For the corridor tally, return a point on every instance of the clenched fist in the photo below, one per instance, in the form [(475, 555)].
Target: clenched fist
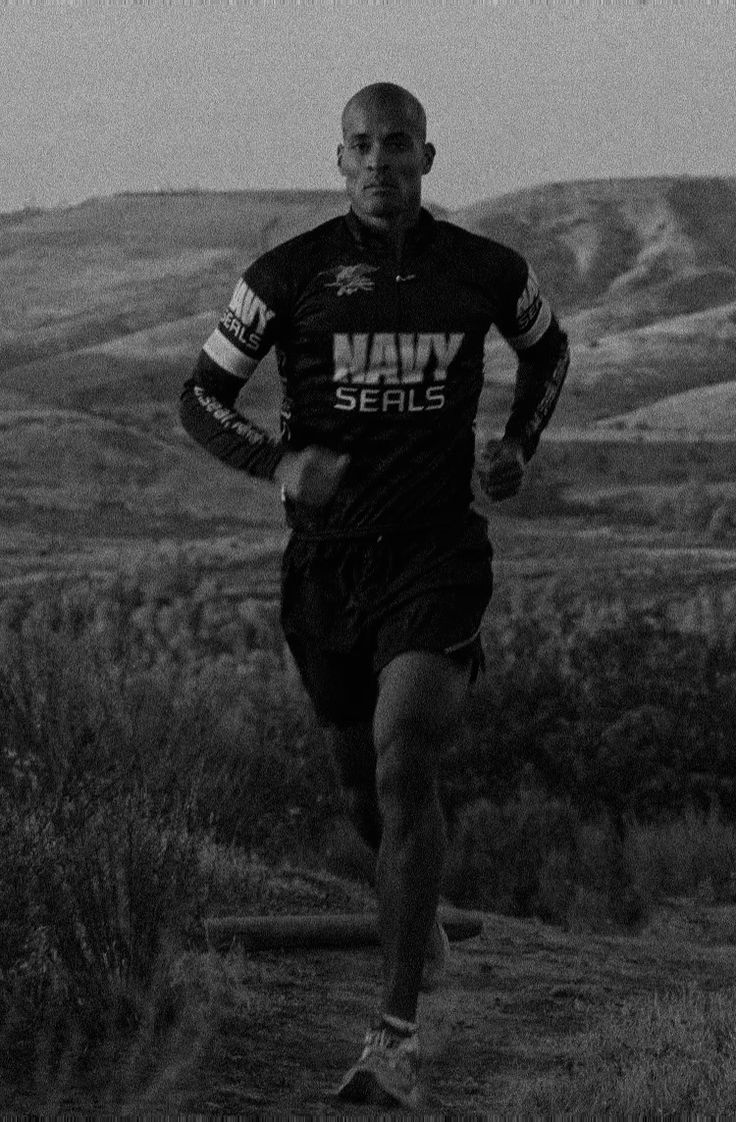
[(313, 475), (501, 469)]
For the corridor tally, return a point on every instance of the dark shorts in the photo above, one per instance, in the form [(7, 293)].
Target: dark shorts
[(351, 606)]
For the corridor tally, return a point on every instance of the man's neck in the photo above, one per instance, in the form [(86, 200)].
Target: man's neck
[(391, 229)]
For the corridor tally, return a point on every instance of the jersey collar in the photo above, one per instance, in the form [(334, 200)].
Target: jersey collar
[(417, 236)]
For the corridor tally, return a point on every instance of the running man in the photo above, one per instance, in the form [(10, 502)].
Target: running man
[(379, 318)]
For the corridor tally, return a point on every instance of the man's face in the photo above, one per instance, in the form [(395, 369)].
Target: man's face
[(383, 158)]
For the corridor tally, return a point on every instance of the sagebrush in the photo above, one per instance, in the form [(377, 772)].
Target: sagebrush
[(146, 721)]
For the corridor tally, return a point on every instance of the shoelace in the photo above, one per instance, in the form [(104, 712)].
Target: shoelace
[(396, 1048)]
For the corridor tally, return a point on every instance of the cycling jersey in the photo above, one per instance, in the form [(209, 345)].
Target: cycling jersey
[(380, 358)]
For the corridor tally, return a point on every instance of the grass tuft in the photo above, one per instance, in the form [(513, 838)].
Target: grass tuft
[(671, 1054)]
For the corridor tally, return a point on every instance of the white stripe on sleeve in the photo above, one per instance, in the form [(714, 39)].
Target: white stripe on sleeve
[(227, 355), (528, 338)]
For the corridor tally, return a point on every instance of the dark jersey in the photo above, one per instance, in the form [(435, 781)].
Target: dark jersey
[(382, 359)]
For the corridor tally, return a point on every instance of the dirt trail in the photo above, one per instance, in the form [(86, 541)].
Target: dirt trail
[(508, 1011)]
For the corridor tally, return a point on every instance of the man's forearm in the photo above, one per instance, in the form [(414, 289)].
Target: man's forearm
[(539, 379), (207, 412)]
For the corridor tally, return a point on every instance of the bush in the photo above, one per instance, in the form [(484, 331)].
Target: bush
[(612, 707), (688, 855), (84, 691), (114, 881), (107, 893), (164, 708), (121, 750), (533, 855)]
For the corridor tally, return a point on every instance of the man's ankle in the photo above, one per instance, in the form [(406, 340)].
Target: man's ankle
[(398, 1025)]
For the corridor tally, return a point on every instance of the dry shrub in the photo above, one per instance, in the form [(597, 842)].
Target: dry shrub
[(534, 855), (86, 686), (111, 770), (691, 854), (511, 857), (113, 893), (115, 880)]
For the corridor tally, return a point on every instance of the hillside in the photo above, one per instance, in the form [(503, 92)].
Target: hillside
[(625, 251), (708, 410), (106, 304), (613, 255), (71, 277)]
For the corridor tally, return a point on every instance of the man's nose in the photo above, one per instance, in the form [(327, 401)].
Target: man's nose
[(377, 156)]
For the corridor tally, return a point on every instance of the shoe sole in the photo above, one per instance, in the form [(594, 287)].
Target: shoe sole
[(363, 1087)]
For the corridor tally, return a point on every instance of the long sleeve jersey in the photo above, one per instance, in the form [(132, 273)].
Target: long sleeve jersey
[(380, 358)]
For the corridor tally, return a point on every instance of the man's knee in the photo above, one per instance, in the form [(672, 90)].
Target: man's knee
[(410, 744), (406, 775)]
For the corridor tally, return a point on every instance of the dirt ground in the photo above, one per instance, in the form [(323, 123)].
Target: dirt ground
[(509, 1010), (513, 1008)]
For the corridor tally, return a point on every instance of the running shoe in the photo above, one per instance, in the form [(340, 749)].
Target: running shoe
[(386, 1073), (436, 956)]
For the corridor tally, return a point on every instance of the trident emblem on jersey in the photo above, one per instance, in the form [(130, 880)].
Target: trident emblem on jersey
[(352, 278)]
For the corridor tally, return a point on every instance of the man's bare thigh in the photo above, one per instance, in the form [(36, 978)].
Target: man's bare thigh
[(421, 697)]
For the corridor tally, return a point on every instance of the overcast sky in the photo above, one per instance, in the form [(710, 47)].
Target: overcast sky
[(105, 97)]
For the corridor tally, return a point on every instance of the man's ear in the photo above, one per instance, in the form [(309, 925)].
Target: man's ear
[(340, 150), (429, 155)]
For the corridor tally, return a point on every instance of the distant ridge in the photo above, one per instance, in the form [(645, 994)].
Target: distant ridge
[(107, 301), (279, 194), (640, 245)]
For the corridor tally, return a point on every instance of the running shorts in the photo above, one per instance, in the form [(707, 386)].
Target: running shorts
[(350, 606)]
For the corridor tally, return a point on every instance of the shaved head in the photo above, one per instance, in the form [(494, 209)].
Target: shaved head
[(386, 95), (384, 154)]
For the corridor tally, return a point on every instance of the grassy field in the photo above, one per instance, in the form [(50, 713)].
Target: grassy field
[(160, 765)]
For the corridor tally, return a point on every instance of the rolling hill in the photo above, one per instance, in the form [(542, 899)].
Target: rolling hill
[(614, 255), (106, 304), (626, 252), (708, 410), (87, 274)]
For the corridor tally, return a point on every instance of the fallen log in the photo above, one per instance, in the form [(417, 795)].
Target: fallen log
[(259, 933)]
